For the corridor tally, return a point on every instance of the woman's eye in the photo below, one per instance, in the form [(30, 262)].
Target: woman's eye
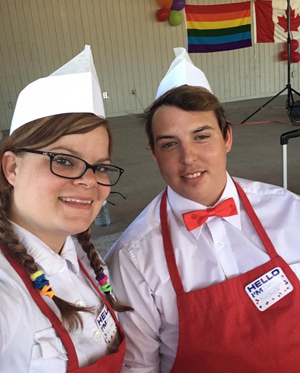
[(101, 168), (63, 161)]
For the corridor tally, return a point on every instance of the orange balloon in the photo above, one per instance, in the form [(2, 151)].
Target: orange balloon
[(165, 3)]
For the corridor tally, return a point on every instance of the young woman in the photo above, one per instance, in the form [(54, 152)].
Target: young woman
[(55, 175)]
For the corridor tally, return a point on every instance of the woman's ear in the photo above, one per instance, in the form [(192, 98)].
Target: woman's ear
[(9, 166)]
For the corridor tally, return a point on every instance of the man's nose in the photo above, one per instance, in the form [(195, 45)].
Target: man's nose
[(188, 154)]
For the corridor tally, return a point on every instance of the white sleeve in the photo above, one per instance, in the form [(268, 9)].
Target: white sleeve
[(142, 325)]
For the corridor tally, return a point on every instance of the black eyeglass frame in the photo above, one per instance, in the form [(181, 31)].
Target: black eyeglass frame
[(51, 155)]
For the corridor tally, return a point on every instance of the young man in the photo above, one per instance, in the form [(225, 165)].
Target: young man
[(210, 266)]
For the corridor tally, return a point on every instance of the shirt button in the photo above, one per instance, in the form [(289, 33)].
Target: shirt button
[(79, 303), (62, 268), (220, 244), (97, 336)]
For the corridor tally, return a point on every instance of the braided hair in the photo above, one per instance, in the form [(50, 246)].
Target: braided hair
[(34, 135)]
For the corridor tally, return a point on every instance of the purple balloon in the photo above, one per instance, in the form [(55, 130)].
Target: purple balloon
[(178, 4)]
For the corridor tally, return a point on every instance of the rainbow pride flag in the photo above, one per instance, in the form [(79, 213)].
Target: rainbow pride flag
[(220, 27)]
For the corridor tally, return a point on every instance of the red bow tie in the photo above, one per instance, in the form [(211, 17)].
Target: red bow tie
[(195, 219)]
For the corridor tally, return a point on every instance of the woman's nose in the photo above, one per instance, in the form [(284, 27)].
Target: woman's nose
[(88, 178)]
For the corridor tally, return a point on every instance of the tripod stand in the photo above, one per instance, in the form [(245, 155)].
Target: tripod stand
[(290, 99)]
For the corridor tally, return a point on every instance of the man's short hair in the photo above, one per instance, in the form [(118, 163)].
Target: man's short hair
[(188, 98)]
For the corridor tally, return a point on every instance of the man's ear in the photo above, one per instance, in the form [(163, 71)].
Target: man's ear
[(153, 155), (9, 166), (228, 140)]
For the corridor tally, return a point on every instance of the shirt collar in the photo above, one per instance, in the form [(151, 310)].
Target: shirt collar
[(181, 205), (45, 257)]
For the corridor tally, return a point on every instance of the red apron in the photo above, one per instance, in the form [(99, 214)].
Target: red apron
[(220, 328), (108, 364)]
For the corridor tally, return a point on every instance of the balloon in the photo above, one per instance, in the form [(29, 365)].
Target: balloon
[(283, 56), (294, 45), (175, 18), (178, 4), (295, 57), (163, 14), (165, 3)]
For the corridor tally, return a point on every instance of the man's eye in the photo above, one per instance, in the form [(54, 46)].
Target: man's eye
[(169, 144), (202, 137)]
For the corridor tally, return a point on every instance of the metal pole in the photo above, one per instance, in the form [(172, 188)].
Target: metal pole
[(288, 20), (284, 166)]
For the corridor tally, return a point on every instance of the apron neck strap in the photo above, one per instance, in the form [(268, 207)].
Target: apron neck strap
[(256, 222), (168, 246), (46, 310)]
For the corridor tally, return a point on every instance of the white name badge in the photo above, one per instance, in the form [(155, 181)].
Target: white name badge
[(107, 325), (269, 288)]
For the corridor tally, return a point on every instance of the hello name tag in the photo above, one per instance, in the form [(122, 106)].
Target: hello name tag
[(269, 288), (107, 325)]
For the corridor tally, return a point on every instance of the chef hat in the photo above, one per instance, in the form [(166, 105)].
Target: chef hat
[(73, 88), (182, 71)]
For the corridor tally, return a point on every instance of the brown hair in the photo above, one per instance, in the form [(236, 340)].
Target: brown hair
[(188, 98), (34, 135)]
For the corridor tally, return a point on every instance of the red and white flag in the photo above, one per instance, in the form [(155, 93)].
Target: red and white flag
[(270, 19)]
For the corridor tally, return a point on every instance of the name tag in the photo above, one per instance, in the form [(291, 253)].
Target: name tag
[(269, 288), (107, 325)]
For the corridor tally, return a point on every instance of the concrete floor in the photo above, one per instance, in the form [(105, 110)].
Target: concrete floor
[(256, 155)]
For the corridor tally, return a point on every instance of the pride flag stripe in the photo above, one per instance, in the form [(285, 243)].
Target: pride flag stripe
[(219, 39), (193, 48), (217, 17), (217, 25), (217, 8), (217, 32)]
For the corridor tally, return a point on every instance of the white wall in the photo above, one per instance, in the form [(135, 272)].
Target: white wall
[(131, 49)]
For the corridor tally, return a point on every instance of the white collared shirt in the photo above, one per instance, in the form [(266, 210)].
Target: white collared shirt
[(219, 250), (28, 342)]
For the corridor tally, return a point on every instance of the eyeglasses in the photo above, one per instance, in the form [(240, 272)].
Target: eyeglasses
[(72, 167)]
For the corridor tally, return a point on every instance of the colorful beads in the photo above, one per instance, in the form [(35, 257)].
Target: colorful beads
[(42, 284), (36, 274), (47, 290), (102, 279), (104, 283)]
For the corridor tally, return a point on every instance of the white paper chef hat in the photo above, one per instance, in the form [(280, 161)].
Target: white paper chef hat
[(182, 71), (73, 88)]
